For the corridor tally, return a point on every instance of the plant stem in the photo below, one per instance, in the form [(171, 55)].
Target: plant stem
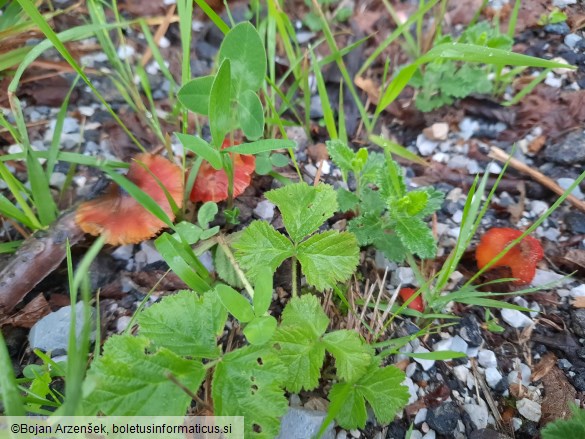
[(294, 277), (226, 248)]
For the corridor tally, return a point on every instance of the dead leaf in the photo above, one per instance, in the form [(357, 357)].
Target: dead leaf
[(317, 152), (537, 144), (366, 21), (30, 314), (558, 395), (579, 302), (544, 366), (370, 87)]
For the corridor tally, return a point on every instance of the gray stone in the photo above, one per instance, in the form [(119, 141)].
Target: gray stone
[(478, 414), (493, 377), (557, 28), (515, 318), (300, 423), (578, 321), (578, 291), (569, 151), (575, 222), (520, 376), (566, 183), (487, 358), (563, 3), (51, 333), (571, 40), (444, 419), (529, 409), (264, 210), (426, 364)]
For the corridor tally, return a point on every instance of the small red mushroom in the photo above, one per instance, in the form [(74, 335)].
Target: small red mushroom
[(417, 304), (212, 184), (119, 217), (521, 259)]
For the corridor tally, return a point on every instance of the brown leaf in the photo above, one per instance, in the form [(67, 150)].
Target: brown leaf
[(544, 366), (579, 302), (30, 314), (370, 87), (142, 8), (317, 152), (558, 395)]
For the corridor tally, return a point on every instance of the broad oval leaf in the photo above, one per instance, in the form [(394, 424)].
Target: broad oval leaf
[(235, 303), (261, 146), (220, 105), (263, 291), (243, 47), (201, 148), (194, 95), (251, 114), (260, 330)]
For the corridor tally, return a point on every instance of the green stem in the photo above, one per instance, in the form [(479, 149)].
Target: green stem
[(294, 277)]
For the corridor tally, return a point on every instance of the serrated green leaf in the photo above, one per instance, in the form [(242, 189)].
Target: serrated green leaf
[(415, 235), (301, 350), (263, 291), (352, 355), (248, 382), (304, 208), (392, 247), (412, 203), (371, 170), (128, 381), (368, 228), (380, 387), (305, 311), (235, 303), (225, 269), (261, 245), (341, 154), (260, 330), (347, 200), (372, 202), (220, 105), (251, 114), (328, 258), (185, 324), (391, 181), (434, 202), (201, 148), (206, 214), (564, 428), (243, 47), (194, 95)]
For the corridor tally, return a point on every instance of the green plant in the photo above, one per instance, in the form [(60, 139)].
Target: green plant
[(553, 17), (326, 258), (562, 428)]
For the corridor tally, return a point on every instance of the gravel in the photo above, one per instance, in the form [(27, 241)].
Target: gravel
[(300, 423), (529, 409), (444, 419)]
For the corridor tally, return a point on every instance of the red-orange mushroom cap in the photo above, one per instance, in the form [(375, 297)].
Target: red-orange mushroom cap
[(212, 184), (417, 303), (521, 259), (119, 217)]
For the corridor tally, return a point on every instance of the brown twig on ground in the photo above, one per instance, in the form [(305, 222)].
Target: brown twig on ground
[(502, 156), (38, 256)]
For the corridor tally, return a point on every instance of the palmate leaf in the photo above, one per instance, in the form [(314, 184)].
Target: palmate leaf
[(248, 382), (328, 258), (304, 208), (186, 324), (261, 245), (380, 387), (305, 311), (352, 354), (127, 380)]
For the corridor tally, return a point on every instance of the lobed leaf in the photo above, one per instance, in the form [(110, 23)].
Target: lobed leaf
[(352, 354)]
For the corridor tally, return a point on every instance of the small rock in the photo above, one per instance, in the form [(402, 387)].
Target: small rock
[(529, 409), (461, 372), (571, 40), (421, 416), (566, 183), (58, 179), (470, 330), (520, 376), (578, 321), (552, 81), (299, 423), (443, 345), (437, 131), (412, 389), (575, 222), (493, 377), (410, 369), (561, 70), (538, 207), (403, 275), (579, 381), (569, 151), (426, 146), (122, 323), (467, 128), (430, 435), (444, 419), (578, 291), (562, 4), (51, 333), (544, 278), (264, 210), (342, 434), (557, 28), (382, 262), (355, 433), (478, 414), (426, 364), (515, 318), (124, 252), (125, 51), (487, 358), (459, 345)]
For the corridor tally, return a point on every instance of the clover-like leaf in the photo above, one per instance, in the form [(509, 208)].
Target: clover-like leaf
[(235, 303), (304, 208), (194, 95), (328, 258), (128, 380), (260, 330)]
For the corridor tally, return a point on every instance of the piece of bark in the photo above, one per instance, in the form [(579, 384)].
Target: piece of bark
[(38, 256)]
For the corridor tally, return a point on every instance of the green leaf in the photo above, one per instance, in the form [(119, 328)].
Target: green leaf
[(564, 428), (412, 203), (434, 201), (185, 324), (263, 291), (187, 232), (263, 164), (235, 303), (415, 235), (127, 380), (243, 47), (391, 181), (261, 245), (368, 228), (225, 269), (251, 114), (206, 214), (201, 148), (380, 387), (248, 382), (260, 330), (328, 258), (194, 95), (301, 350), (347, 200), (304, 208), (279, 160), (391, 245), (352, 355), (305, 311), (341, 154), (220, 106)]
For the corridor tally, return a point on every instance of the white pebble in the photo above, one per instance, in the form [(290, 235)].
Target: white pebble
[(478, 414), (515, 318), (421, 416), (426, 364), (487, 358), (492, 377), (529, 409), (578, 291), (125, 51)]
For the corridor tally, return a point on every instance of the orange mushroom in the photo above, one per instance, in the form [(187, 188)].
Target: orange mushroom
[(417, 304), (212, 184), (119, 217), (521, 259)]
